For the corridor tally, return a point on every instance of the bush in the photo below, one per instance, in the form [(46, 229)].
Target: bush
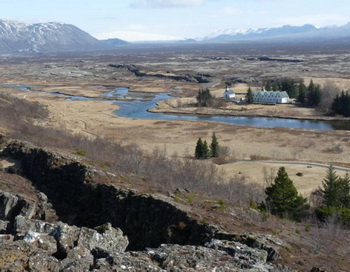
[(80, 152), (341, 214)]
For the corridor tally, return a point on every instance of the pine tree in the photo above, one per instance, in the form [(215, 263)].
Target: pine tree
[(336, 190), (288, 85), (204, 98), (214, 146), (336, 194), (317, 95), (344, 190), (314, 94), (249, 96), (336, 105), (206, 152), (310, 91), (268, 86), (199, 154), (330, 188), (283, 198), (275, 86), (302, 91)]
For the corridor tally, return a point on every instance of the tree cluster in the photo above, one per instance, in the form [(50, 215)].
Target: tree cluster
[(310, 95), (203, 151), (336, 197), (204, 98), (341, 104), (307, 95), (285, 85)]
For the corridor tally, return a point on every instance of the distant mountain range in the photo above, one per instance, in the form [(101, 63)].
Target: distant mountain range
[(17, 37), (287, 32)]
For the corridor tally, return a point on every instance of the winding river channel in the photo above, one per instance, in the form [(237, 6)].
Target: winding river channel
[(137, 104)]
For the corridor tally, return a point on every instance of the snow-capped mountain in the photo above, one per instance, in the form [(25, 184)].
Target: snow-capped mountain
[(285, 32), (44, 37)]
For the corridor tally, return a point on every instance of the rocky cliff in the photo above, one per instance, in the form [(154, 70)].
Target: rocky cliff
[(99, 227)]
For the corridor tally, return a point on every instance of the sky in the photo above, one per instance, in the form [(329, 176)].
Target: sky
[(135, 20)]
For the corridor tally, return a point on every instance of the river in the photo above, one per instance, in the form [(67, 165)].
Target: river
[(136, 105)]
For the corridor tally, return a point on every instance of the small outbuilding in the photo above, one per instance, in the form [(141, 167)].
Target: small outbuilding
[(229, 93)]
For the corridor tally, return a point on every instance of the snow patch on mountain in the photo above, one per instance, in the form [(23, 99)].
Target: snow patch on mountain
[(44, 37)]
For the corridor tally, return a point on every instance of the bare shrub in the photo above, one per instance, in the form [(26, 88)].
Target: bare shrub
[(255, 157), (329, 91), (225, 156), (238, 191), (268, 176), (155, 168), (178, 103), (316, 198), (330, 237), (335, 149)]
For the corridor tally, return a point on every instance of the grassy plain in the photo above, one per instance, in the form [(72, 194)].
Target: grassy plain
[(86, 75)]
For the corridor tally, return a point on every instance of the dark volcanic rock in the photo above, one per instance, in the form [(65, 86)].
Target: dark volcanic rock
[(202, 78), (149, 221), (12, 205)]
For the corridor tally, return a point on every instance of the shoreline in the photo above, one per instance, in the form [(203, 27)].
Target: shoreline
[(231, 113)]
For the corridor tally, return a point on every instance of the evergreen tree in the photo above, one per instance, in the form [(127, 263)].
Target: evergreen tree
[(275, 86), (283, 198), (249, 96), (268, 86), (199, 154), (344, 196), (341, 104), (336, 194), (206, 152), (302, 91), (336, 190), (313, 94), (204, 98), (330, 189), (310, 91), (288, 85), (317, 95), (214, 146), (336, 105), (346, 105)]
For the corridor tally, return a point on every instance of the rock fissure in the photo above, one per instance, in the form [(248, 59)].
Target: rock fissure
[(97, 216)]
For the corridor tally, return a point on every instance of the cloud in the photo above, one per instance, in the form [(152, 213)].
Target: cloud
[(315, 19), (227, 11), (165, 3)]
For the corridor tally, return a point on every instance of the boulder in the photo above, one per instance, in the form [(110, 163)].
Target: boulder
[(60, 238), (78, 259), (106, 238), (41, 240), (42, 261), (245, 257), (12, 205), (4, 226)]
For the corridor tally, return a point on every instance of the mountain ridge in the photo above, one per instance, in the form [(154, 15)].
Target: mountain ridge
[(307, 31), (18, 37)]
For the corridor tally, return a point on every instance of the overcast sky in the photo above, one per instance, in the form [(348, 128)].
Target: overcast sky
[(156, 19)]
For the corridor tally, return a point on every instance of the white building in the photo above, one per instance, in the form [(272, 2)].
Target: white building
[(270, 97), (229, 94)]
